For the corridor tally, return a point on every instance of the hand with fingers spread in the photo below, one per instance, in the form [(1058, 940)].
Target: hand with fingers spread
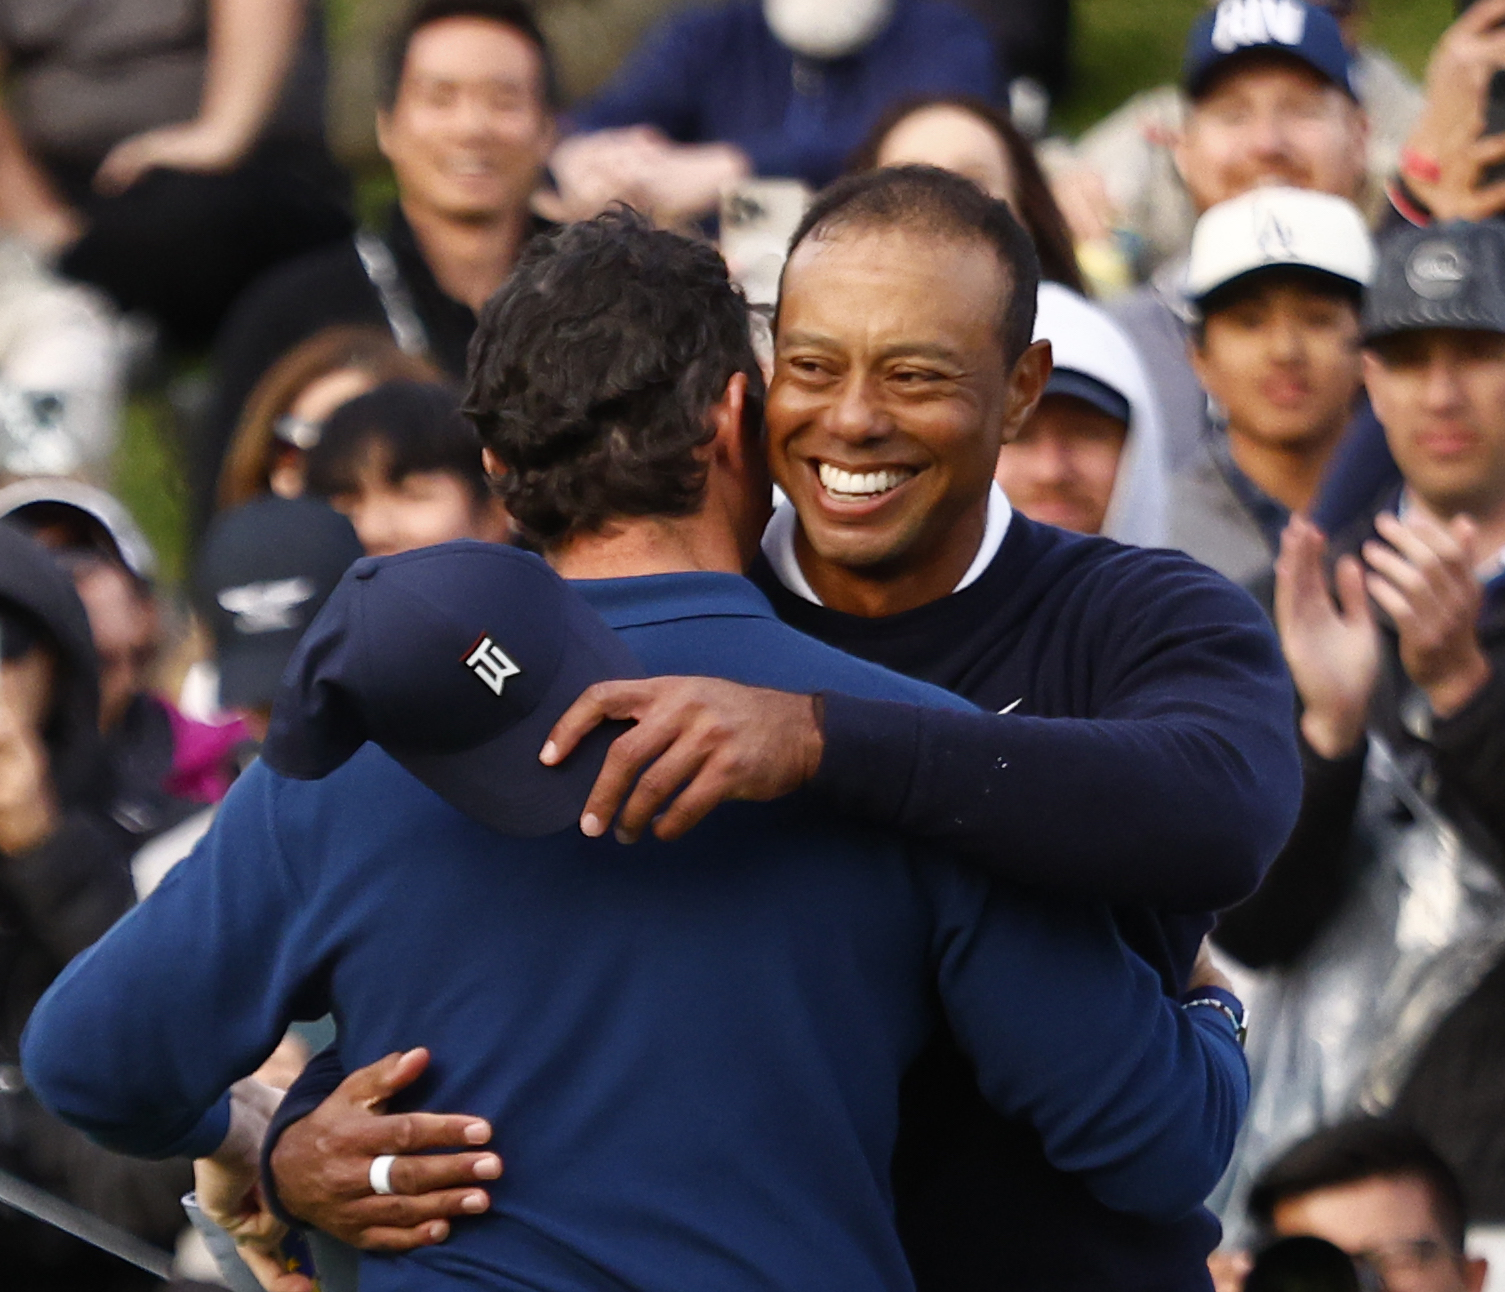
[(1449, 138), (1333, 651), (697, 742), (1423, 576), (322, 1163)]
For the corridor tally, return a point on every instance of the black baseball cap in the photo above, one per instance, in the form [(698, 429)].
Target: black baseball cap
[(264, 571), (1444, 276), (1306, 32), (1091, 390), (457, 660)]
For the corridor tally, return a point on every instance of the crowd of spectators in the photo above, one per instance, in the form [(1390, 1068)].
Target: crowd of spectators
[(1274, 296)]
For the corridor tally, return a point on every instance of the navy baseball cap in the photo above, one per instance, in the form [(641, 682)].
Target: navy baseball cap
[(457, 660), (264, 570), (1090, 389), (1443, 276), (1306, 32)]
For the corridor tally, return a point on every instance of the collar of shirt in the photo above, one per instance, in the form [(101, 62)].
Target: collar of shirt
[(778, 545), (1271, 516), (664, 598)]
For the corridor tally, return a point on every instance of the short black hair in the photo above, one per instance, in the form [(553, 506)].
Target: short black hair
[(1364, 1148), (510, 13), (1236, 292), (937, 203), (417, 423), (593, 370)]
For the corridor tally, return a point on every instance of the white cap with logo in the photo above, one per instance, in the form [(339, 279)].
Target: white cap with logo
[(1279, 228)]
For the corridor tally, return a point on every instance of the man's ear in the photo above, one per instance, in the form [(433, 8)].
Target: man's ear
[(727, 416), (1026, 387), (494, 467), (383, 126)]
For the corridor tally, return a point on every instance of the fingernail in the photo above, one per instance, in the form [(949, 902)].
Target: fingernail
[(475, 1203), (439, 1231), (477, 1133), (624, 837), (488, 1167), (549, 753), (590, 825)]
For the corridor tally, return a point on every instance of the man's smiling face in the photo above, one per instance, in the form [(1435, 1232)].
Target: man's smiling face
[(890, 397)]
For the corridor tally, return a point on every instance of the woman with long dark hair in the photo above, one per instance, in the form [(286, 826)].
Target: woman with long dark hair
[(972, 138)]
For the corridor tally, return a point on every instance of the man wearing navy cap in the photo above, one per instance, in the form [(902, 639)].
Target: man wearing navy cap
[(1269, 101), (1421, 668), (692, 1052)]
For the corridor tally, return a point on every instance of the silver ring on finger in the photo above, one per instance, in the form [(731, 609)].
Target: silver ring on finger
[(381, 1173)]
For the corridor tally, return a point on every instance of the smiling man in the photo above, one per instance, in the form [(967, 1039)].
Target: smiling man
[(466, 121), (1137, 745)]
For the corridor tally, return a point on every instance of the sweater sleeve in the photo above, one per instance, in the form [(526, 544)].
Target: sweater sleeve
[(137, 1040), (319, 1079), (1176, 787), (657, 84), (1307, 882), (1072, 1032)]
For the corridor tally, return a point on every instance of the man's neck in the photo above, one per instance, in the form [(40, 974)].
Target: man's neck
[(1290, 474), (469, 259), (872, 592), (633, 546)]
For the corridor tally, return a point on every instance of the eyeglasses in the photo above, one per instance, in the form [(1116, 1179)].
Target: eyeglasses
[(1396, 1263), (301, 432)]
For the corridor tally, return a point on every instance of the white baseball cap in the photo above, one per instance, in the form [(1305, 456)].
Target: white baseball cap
[(1279, 228)]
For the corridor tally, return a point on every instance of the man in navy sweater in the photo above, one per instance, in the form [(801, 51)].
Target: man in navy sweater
[(693, 1051), (1144, 754)]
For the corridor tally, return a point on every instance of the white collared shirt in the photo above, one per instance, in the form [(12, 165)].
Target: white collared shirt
[(778, 544)]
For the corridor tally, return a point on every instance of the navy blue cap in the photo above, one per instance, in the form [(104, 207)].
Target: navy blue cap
[(1092, 390), (1304, 31), (457, 660)]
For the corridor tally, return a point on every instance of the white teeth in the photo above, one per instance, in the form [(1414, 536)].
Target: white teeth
[(861, 484)]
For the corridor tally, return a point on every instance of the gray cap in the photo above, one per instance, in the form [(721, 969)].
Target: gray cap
[(1445, 276)]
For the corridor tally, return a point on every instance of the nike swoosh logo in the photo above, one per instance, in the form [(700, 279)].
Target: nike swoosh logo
[(1009, 708)]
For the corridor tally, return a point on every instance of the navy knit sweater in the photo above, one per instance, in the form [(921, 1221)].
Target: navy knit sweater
[(1145, 753)]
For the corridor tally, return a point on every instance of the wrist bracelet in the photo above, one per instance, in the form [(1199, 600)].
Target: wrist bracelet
[(1239, 1021), (1405, 203), (1415, 164)]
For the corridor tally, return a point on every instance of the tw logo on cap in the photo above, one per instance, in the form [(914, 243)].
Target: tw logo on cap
[(489, 662), (1242, 23)]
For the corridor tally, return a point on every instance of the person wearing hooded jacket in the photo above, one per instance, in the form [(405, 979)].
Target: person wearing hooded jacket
[(64, 879), (1092, 458)]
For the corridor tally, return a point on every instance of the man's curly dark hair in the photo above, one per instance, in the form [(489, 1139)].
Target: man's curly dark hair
[(593, 371)]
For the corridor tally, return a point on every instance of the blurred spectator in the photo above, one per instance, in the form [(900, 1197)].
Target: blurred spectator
[(1383, 920), (1033, 39), (264, 571), (1090, 458), (1122, 176), (1450, 167), (64, 848), (778, 88), (976, 140), (1277, 277), (1264, 107), (405, 467), (286, 411), (61, 372), (169, 152), (1379, 1191), (466, 121), (163, 760)]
